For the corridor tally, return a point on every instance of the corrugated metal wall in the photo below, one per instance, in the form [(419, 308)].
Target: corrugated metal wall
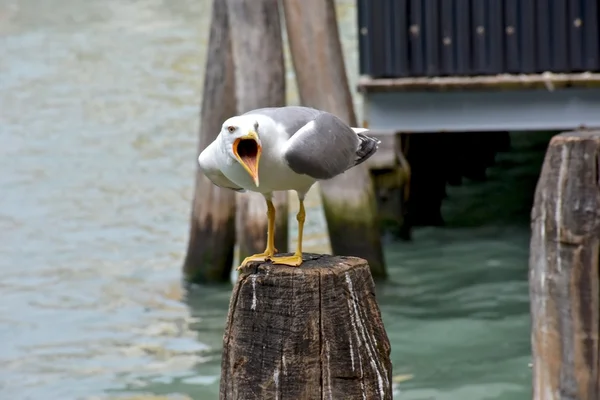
[(403, 38)]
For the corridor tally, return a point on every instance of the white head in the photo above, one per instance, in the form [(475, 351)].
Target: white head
[(240, 138)]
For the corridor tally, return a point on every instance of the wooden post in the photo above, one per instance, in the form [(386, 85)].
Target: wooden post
[(212, 229), (564, 270), (260, 82), (313, 332), (391, 178), (349, 200)]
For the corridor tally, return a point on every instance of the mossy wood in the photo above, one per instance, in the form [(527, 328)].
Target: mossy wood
[(212, 227), (391, 175), (348, 200), (305, 333), (564, 270), (260, 82)]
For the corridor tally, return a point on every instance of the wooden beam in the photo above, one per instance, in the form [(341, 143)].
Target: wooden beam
[(564, 270), (547, 81), (212, 227), (260, 82), (348, 200), (312, 332)]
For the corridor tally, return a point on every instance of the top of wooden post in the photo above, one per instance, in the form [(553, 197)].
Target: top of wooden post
[(577, 135), (312, 264), (305, 333), (564, 270)]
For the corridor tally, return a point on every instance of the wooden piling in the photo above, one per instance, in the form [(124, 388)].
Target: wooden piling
[(313, 332), (260, 82), (212, 227), (349, 200), (391, 178), (564, 270)]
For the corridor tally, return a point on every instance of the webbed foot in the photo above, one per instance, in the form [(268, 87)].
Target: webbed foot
[(292, 261)]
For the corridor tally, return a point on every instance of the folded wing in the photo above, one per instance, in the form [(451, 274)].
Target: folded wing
[(326, 146)]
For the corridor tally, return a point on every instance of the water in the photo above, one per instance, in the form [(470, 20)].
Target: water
[(98, 121)]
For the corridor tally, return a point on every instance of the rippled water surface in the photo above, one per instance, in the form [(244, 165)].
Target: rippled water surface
[(98, 121)]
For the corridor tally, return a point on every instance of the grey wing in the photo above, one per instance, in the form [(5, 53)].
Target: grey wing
[(208, 162), (326, 146), (292, 118)]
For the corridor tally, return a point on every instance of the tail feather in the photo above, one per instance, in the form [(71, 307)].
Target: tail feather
[(359, 130), (366, 147)]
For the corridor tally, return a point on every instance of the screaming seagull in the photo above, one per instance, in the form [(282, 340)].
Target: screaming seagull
[(279, 149)]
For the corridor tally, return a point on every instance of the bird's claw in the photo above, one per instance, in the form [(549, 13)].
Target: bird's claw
[(262, 257), (292, 261)]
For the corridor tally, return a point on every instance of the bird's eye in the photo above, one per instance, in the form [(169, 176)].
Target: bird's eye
[(256, 126), (231, 129)]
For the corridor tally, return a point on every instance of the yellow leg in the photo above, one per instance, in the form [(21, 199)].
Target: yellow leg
[(296, 259), (270, 250)]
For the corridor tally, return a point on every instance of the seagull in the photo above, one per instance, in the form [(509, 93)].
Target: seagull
[(280, 149)]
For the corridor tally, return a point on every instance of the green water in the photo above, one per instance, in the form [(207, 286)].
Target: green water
[(98, 121)]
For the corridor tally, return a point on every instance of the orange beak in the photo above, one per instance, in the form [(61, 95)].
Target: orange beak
[(248, 150)]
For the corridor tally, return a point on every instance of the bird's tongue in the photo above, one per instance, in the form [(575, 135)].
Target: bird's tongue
[(248, 152), (250, 161)]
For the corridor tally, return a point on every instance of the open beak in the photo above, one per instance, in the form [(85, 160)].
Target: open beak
[(247, 150)]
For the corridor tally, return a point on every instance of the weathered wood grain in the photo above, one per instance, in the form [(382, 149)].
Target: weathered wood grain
[(212, 227), (564, 270), (349, 199), (313, 332), (545, 81), (260, 82)]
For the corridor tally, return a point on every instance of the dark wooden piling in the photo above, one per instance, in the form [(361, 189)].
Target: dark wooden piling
[(440, 158), (391, 177), (260, 82), (348, 200), (564, 270), (212, 227), (312, 332)]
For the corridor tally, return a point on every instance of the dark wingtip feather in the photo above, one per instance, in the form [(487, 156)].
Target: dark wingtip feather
[(366, 148)]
